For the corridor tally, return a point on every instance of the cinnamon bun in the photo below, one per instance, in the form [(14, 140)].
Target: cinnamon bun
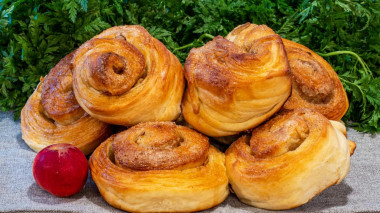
[(315, 84), (159, 167), (52, 114), (236, 82), (124, 76), (288, 160)]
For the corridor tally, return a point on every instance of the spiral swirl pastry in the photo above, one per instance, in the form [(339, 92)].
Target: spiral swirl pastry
[(315, 84), (236, 82), (52, 114), (159, 167), (288, 160), (125, 76)]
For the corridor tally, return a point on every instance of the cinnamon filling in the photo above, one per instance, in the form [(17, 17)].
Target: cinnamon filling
[(284, 134), (159, 146), (311, 81), (114, 67)]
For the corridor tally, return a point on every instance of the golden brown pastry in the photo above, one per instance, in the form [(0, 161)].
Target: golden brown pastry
[(125, 76), (288, 160), (236, 82), (159, 167), (52, 114), (315, 83)]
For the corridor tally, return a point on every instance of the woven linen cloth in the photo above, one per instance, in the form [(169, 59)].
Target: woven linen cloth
[(359, 191)]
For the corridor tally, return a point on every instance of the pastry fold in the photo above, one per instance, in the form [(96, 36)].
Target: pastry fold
[(159, 167), (124, 76), (52, 114), (236, 82), (315, 84), (288, 160)]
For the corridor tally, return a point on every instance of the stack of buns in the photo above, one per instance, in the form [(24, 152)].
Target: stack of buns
[(279, 101)]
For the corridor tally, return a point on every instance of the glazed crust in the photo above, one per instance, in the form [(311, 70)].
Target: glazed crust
[(236, 82), (315, 84), (125, 76), (191, 178), (288, 160), (52, 114)]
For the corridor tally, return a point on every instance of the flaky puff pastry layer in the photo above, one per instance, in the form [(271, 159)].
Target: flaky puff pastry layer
[(125, 76), (315, 83), (159, 167), (288, 160), (236, 82), (52, 114)]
